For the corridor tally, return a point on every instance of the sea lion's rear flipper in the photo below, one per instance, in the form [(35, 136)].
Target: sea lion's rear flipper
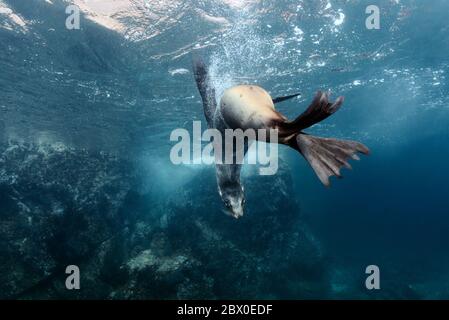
[(207, 91), (280, 99), (327, 156), (318, 110)]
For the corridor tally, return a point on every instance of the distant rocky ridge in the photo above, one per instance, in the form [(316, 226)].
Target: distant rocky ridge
[(63, 206)]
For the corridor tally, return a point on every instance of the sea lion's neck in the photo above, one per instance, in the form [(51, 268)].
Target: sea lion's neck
[(228, 173)]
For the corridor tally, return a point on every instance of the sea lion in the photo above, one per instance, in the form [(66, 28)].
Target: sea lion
[(251, 107)]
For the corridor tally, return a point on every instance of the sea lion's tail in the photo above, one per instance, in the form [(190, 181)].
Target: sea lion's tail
[(325, 155)]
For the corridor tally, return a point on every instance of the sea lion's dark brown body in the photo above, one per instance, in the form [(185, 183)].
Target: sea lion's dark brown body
[(251, 107), (248, 107)]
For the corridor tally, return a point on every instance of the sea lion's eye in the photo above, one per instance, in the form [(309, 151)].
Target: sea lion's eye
[(227, 203), (243, 201)]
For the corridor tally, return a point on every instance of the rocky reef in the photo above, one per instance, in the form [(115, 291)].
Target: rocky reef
[(62, 206)]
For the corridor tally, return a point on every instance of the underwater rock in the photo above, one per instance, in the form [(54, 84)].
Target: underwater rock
[(58, 205), (64, 206), (269, 253)]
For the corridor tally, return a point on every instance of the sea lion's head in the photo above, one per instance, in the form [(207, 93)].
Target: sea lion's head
[(233, 198)]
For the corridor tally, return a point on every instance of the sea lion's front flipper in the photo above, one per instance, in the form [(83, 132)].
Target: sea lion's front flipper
[(280, 99), (207, 91)]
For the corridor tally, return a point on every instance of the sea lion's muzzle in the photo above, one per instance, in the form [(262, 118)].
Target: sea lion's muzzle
[(234, 203)]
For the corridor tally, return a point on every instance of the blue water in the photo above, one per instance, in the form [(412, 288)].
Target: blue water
[(93, 89)]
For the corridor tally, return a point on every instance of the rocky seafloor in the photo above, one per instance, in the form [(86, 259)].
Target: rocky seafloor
[(62, 206)]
